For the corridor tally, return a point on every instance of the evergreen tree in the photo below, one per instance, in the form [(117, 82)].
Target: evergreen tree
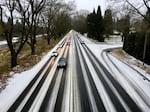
[(108, 21), (95, 25), (99, 11), (100, 25), (94, 11), (91, 25)]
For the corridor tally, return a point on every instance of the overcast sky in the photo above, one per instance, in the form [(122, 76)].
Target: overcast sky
[(90, 4)]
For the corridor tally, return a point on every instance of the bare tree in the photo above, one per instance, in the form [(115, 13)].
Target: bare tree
[(11, 5), (33, 19), (51, 10), (140, 7), (28, 12)]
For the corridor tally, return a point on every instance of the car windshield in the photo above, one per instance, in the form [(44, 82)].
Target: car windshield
[(62, 60)]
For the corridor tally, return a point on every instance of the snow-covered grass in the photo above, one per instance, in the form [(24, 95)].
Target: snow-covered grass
[(114, 39)]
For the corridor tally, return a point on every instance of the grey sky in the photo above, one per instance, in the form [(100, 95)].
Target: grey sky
[(90, 4)]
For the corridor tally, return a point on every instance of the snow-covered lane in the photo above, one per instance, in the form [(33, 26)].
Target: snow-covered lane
[(86, 80), (117, 94), (70, 101), (132, 81), (113, 96)]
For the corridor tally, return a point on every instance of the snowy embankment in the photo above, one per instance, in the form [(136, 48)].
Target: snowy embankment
[(136, 64)]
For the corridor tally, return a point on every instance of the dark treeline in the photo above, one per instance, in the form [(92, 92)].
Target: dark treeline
[(135, 37), (134, 45)]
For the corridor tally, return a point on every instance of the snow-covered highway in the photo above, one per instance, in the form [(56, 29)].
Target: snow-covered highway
[(91, 82)]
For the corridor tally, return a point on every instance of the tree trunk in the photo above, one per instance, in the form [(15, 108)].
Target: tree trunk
[(32, 49), (48, 35), (48, 41), (32, 44), (55, 37), (13, 59), (48, 38)]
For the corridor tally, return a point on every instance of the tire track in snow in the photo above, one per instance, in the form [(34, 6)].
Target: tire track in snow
[(142, 97), (94, 98), (102, 70)]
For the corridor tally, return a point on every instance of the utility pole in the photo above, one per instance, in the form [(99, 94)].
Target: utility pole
[(1, 14), (145, 45)]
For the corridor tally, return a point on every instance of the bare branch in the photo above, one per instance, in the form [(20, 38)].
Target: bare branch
[(135, 9), (146, 4)]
